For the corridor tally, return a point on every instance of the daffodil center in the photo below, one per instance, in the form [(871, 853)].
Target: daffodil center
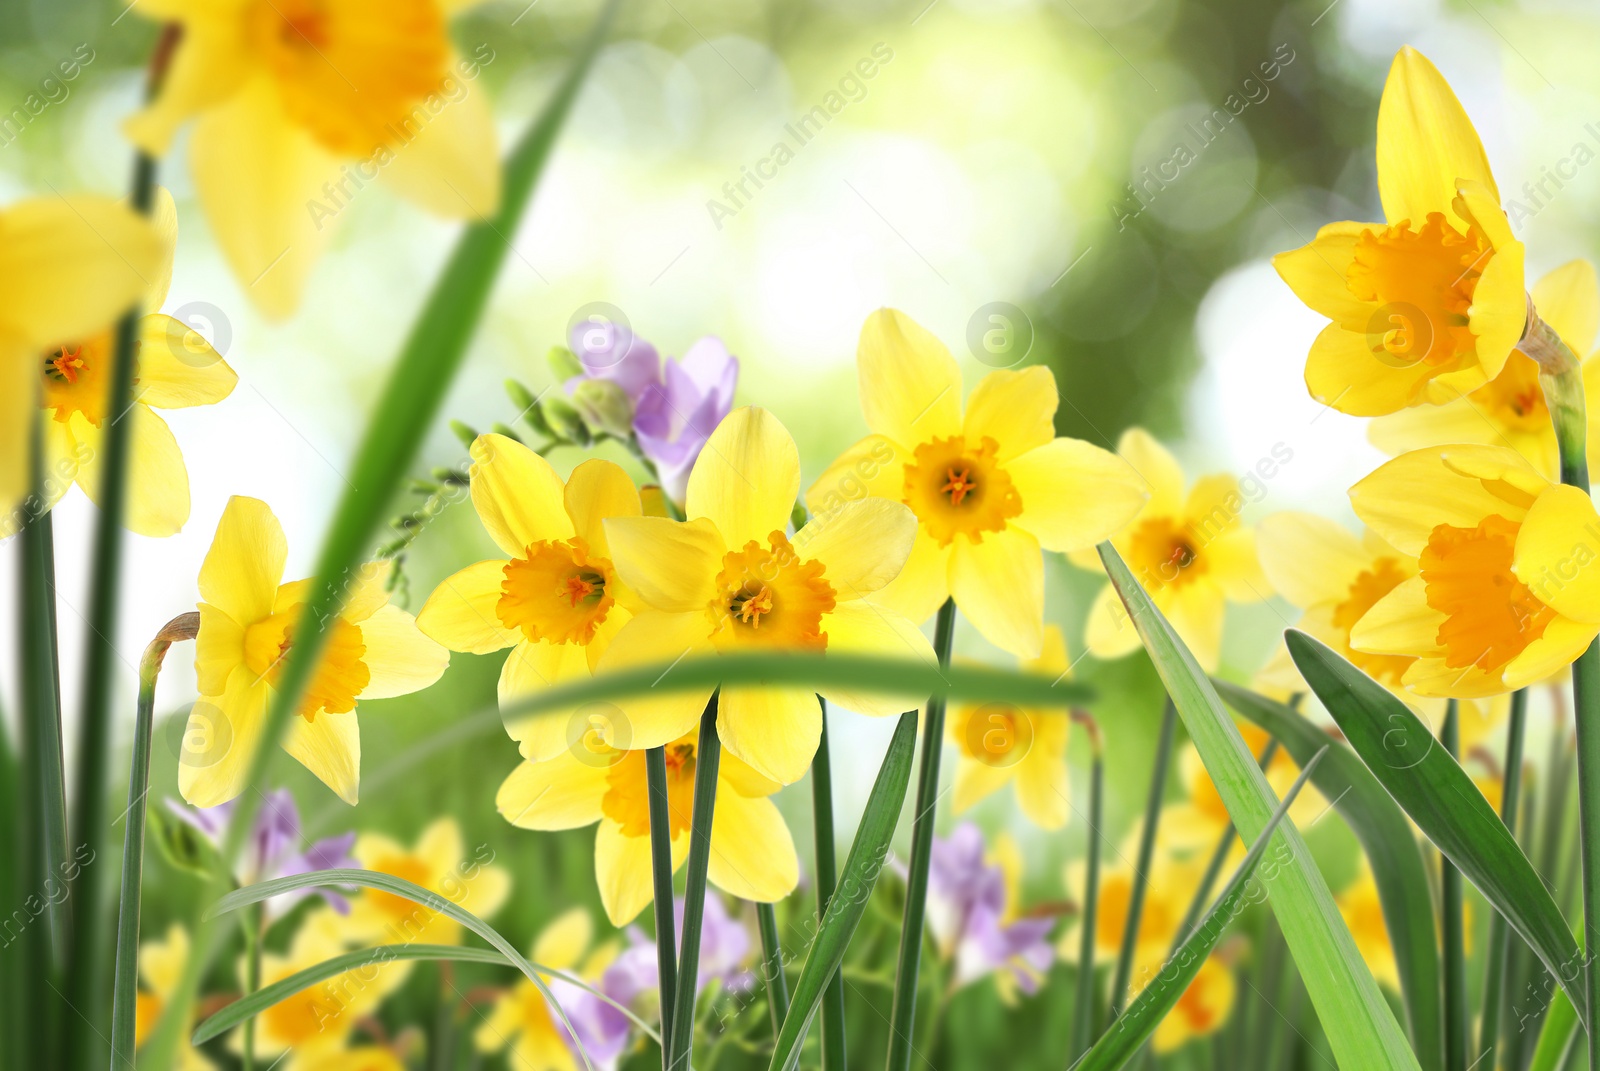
[(768, 596), (1365, 590), (557, 591), (957, 489), (1490, 616), (410, 868), (75, 379), (627, 800), (352, 73), (1164, 552), (303, 1017), (1423, 282), (1514, 399), (341, 674)]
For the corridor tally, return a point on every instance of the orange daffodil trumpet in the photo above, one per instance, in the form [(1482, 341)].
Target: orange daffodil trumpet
[(752, 854), (1191, 552), (1428, 306), (556, 599), (299, 103), (248, 619), (1505, 586), (728, 579), (69, 266), (174, 368), (991, 488)]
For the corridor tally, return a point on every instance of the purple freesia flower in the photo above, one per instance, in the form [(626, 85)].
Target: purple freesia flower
[(967, 913), (724, 949), (601, 1027), (676, 407), (274, 848)]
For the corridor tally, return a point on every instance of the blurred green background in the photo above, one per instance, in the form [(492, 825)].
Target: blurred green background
[(1051, 160)]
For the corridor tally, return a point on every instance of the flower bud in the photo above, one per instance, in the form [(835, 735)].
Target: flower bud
[(565, 423), (564, 364), (605, 407)]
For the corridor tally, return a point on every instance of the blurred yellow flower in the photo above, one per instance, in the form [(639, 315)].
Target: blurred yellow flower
[(1171, 883), (555, 599), (1363, 914), (160, 966), (522, 1019), (1510, 409), (1191, 828), (300, 103), (358, 1058), (439, 862), (174, 368), (752, 853), (728, 579), (247, 622), (1201, 1011), (69, 266), (1427, 308), (990, 489), (1503, 594), (1000, 744), (1192, 554)]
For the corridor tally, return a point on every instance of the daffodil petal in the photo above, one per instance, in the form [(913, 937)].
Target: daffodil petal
[(1405, 499), (563, 942), (1430, 425), (518, 496), (910, 386), (746, 479), (1559, 646), (873, 467), (622, 867), (461, 611), (1568, 299), (1309, 559), (860, 628), (330, 747), (1017, 409), (1160, 471), (1042, 787), (19, 394), (671, 565), (923, 583), (1196, 611), (1234, 564), (442, 165), (1432, 677), (1343, 372), (1558, 553), (774, 729), (218, 649), (177, 366), (533, 667), (1426, 143), (400, 658), (220, 739), (1499, 310), (1109, 631), (210, 65), (1075, 494), (752, 852), (976, 781), (1400, 623), (596, 490), (999, 586), (241, 571), (561, 793), (862, 545), (158, 499), (657, 638), (1316, 273)]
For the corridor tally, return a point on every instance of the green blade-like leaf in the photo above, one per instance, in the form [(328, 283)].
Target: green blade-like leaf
[(1122, 1042), (849, 900), (254, 1004), (1392, 849), (371, 879), (1558, 1033), (1360, 1025), (1441, 799)]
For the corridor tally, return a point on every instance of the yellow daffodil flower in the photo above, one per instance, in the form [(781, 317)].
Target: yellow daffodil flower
[(1335, 578), (1201, 1011), (160, 967), (990, 488), (1427, 307), (247, 622), (300, 103), (752, 853), (357, 1058), (315, 1023), (1193, 827), (1510, 409), (555, 599), (69, 266), (1172, 880), (1001, 744), (1192, 553), (522, 1019), (1505, 592), (174, 368), (728, 579), (1363, 916), (439, 862)]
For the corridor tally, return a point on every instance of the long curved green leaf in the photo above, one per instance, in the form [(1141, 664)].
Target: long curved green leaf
[(849, 901), (410, 401), (1361, 1027), (253, 1004), (371, 879), (1441, 799), (1122, 1042), (1391, 847), (1559, 1032)]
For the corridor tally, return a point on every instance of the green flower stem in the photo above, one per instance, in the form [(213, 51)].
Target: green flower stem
[(255, 932), (1494, 978), (1561, 375), (1457, 1022), (902, 1022), (827, 868), (772, 966), (707, 758), (1141, 867), (1219, 857), (125, 986), (655, 769), (1083, 1000)]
